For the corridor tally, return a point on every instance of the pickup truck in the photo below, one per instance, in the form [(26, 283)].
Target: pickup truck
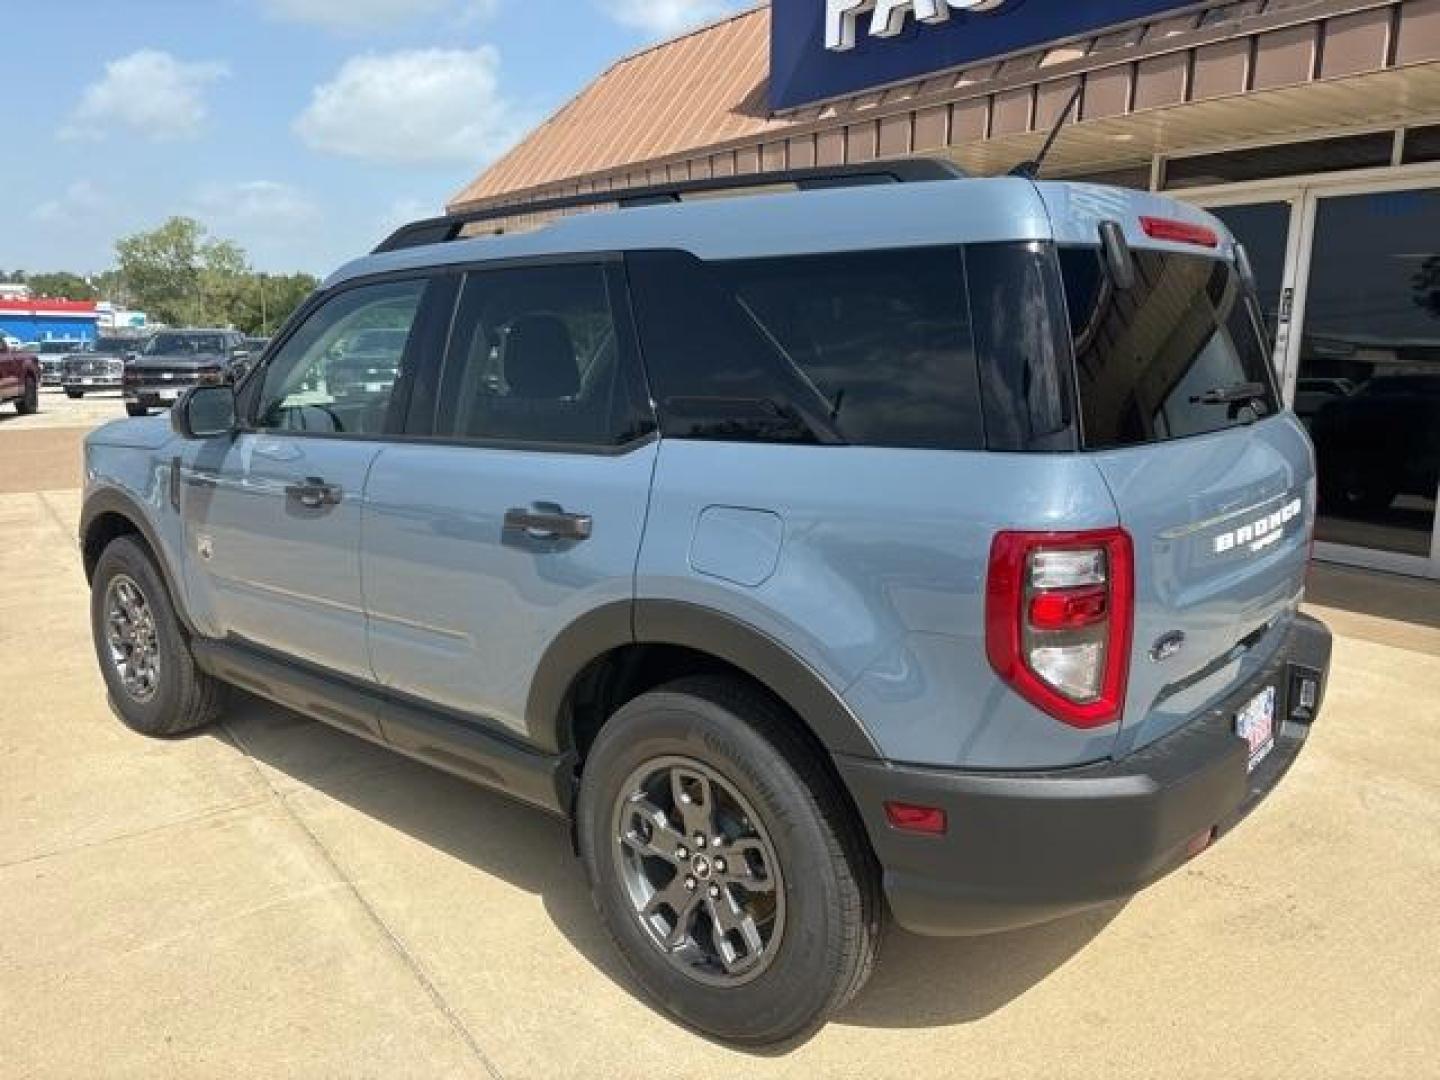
[(19, 379)]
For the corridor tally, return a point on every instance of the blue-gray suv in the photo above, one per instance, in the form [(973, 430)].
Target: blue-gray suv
[(900, 540)]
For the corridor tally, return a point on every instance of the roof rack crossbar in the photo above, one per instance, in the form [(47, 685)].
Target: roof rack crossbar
[(439, 230)]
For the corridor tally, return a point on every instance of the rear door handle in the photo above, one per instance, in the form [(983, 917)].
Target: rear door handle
[(550, 524), (313, 493)]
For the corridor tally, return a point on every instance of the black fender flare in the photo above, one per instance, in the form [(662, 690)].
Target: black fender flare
[(672, 622), (111, 500)]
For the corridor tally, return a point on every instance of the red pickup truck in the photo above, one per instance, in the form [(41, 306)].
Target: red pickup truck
[(19, 379)]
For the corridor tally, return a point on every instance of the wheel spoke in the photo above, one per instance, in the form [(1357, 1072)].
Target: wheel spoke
[(682, 903), (694, 799), (730, 921), (660, 839), (747, 864)]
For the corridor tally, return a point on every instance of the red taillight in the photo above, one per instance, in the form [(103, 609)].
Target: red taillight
[(1069, 609), (1179, 232), (1059, 609), (907, 817)]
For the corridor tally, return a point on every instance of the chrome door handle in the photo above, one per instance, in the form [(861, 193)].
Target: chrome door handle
[(550, 524), (314, 493)]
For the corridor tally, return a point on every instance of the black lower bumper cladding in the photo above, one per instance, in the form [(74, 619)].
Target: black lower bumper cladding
[(1024, 848)]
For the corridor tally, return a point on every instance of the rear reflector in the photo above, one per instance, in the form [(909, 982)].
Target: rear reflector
[(1179, 232), (907, 817)]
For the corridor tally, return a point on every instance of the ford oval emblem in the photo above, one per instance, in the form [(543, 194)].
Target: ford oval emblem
[(1167, 647)]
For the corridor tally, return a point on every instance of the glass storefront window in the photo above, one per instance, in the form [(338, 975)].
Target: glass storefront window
[(1264, 229), (1369, 379)]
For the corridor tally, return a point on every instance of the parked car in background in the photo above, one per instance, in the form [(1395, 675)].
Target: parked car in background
[(256, 347), (365, 363), (1379, 443), (1312, 395), (52, 359), (174, 360), (101, 368), (19, 378)]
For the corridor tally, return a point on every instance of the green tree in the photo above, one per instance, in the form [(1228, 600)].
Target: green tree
[(181, 276), (62, 286)]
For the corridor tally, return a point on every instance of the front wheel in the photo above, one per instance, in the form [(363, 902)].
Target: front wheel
[(144, 654), (726, 862), (29, 403), (134, 408), (74, 395)]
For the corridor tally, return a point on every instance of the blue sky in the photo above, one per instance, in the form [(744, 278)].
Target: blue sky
[(304, 129)]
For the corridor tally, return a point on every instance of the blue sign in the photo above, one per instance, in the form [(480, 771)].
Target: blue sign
[(822, 49)]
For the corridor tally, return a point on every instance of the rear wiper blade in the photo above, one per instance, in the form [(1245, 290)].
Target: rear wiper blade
[(1234, 394)]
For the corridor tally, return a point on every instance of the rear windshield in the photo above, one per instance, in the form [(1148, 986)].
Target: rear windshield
[(1173, 357)]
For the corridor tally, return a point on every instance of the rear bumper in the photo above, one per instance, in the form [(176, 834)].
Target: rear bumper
[(1025, 848)]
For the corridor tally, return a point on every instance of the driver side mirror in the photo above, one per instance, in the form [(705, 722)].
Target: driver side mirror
[(204, 412)]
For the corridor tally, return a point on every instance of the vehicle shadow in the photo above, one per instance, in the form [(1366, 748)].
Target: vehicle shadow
[(917, 983)]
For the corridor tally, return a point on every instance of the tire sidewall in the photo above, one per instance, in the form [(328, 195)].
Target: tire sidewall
[(797, 987), (155, 716)]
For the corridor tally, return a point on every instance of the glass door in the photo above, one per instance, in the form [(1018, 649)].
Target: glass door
[(1368, 372), (1349, 277)]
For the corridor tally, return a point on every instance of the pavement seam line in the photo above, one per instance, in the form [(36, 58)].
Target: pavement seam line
[(120, 838), (410, 961), (54, 516)]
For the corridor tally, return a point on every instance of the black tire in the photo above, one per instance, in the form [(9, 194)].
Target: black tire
[(184, 698), (134, 408), (28, 403), (829, 883), (74, 395)]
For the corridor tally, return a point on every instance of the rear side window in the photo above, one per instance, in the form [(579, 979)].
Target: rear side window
[(861, 348), (1150, 360), (535, 357)]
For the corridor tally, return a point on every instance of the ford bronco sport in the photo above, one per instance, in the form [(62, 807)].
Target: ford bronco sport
[(935, 544)]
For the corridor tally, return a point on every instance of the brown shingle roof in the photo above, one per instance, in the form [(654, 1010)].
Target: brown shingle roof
[(661, 101)]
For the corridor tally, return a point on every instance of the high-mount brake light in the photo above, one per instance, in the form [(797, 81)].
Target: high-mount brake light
[(1179, 232), (1059, 614)]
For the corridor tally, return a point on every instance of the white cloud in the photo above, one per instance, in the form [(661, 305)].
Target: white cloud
[(415, 107), (79, 201), (404, 211), (664, 18), (148, 92), (254, 206), (367, 14)]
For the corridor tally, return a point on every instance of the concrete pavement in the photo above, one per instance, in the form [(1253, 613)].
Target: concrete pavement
[(275, 898)]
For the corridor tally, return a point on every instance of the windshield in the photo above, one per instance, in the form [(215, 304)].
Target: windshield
[(1180, 354), (114, 345), (185, 345), (57, 348)]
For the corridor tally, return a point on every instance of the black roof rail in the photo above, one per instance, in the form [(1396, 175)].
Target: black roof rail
[(439, 230)]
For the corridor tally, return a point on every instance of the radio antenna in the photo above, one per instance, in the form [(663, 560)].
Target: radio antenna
[(1030, 170)]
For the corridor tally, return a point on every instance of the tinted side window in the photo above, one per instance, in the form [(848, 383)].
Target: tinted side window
[(1018, 304), (331, 376), (537, 356), (865, 348)]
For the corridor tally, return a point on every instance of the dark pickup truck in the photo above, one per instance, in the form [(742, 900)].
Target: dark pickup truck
[(19, 379), (175, 360)]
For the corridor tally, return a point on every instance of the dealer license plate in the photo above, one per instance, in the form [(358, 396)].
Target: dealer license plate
[(1255, 723)]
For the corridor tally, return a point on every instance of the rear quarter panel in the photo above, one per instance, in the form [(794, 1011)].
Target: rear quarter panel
[(870, 566)]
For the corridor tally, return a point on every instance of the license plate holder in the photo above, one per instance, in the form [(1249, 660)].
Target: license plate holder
[(1255, 723)]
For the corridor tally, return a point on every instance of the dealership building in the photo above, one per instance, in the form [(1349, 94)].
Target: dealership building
[(1311, 127)]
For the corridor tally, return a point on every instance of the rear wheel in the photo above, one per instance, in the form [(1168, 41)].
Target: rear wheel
[(144, 654), (726, 863), (29, 401), (134, 408)]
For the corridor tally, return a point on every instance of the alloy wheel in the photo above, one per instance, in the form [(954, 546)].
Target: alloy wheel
[(132, 639), (700, 871)]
